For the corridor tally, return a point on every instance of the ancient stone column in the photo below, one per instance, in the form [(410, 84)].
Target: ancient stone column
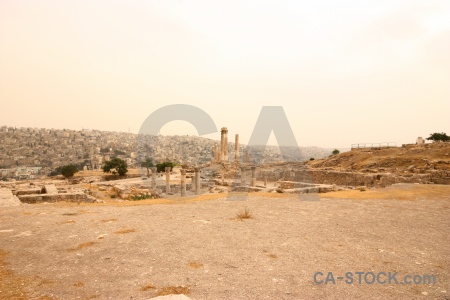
[(216, 152), (167, 180), (197, 181), (253, 180), (247, 156), (153, 178), (243, 176), (224, 144), (183, 183), (265, 180), (236, 149)]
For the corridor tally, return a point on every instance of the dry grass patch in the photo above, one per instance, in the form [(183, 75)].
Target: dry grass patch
[(78, 284), (123, 231), (148, 287), (81, 246), (195, 265), (66, 222), (45, 282), (70, 214), (397, 192), (243, 215), (169, 290), (108, 220), (12, 286)]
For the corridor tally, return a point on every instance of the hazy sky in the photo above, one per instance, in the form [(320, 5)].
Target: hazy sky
[(345, 71)]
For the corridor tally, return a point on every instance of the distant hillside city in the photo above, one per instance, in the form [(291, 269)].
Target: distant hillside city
[(26, 153)]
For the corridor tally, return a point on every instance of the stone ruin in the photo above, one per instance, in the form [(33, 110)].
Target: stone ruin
[(48, 192)]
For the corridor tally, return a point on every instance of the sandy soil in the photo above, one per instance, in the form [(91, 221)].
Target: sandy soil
[(198, 246)]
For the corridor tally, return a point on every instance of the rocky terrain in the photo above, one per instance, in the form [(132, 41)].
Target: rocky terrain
[(428, 163), (427, 158), (207, 247)]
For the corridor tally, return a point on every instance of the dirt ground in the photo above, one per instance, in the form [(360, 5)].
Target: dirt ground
[(199, 246)]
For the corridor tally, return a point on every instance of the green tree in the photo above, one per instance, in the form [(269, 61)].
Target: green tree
[(312, 158), (115, 165), (69, 170), (438, 137), (147, 163), (162, 167), (335, 152)]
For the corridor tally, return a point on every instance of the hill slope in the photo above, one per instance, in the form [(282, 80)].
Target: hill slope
[(409, 158)]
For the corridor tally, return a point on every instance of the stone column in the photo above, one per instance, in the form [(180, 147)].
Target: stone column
[(183, 183), (153, 178), (224, 144), (167, 180), (216, 152), (247, 156), (253, 180), (265, 180), (197, 181), (236, 149), (243, 176)]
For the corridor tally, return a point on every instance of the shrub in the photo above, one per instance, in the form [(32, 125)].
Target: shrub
[(69, 170), (140, 197), (116, 165), (162, 167), (245, 214), (438, 137)]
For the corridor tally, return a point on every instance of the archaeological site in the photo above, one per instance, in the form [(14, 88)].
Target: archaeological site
[(234, 218), (224, 150)]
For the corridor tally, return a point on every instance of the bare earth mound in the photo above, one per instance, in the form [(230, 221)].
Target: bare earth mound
[(435, 156)]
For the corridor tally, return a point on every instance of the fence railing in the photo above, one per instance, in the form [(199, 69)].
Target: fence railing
[(373, 145)]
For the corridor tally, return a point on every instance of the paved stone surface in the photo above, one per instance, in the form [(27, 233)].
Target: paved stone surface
[(7, 198), (51, 189)]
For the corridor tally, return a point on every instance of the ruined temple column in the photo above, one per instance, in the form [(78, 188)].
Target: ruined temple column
[(224, 144), (236, 149), (197, 181), (265, 180), (167, 180), (242, 176), (153, 178), (216, 153), (183, 183), (253, 180)]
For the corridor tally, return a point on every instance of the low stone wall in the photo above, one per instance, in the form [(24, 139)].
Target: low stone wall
[(29, 191), (352, 178), (293, 185), (246, 189), (117, 177), (69, 197)]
